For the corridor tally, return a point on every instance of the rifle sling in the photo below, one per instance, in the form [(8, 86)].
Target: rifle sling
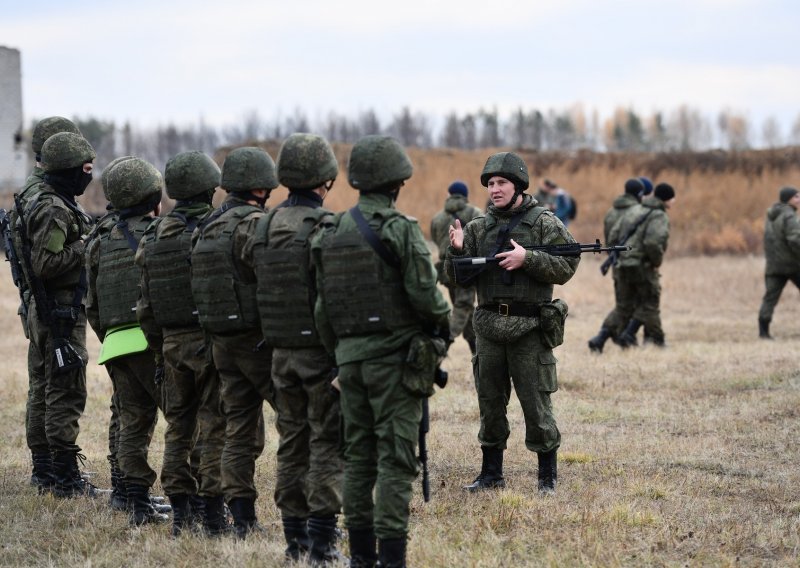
[(374, 241)]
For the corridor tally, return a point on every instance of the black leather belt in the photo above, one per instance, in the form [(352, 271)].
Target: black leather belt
[(525, 310)]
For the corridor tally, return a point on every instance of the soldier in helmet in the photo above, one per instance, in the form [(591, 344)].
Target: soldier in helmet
[(36, 437), (309, 475), (134, 189), (463, 299), (224, 290), (624, 281), (168, 317), (377, 304), (53, 248), (513, 297)]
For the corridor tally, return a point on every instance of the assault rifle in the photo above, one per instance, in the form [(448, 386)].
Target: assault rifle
[(467, 269), (13, 259), (440, 378)]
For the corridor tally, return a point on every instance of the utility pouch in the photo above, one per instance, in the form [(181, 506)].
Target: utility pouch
[(552, 317), (419, 372), (65, 356)]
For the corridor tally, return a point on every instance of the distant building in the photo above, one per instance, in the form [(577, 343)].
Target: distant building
[(13, 152)]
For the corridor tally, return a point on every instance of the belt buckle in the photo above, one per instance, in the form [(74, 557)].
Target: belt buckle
[(502, 309)]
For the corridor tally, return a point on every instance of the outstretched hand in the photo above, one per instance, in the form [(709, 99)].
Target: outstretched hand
[(512, 259), (457, 235)]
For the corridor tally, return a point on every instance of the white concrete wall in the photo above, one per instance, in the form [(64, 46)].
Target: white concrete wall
[(13, 155)]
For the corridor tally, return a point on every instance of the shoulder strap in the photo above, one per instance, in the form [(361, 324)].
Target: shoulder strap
[(505, 231), (372, 238), (633, 228)]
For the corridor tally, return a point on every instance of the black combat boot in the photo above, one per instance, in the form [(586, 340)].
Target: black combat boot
[(243, 510), (763, 329), (597, 342), (215, 520), (655, 340), (322, 534), (141, 508), (491, 475), (181, 514), (42, 476), (548, 472), (392, 552), (119, 494), (296, 534), (197, 506), (362, 548), (628, 337), (68, 481)]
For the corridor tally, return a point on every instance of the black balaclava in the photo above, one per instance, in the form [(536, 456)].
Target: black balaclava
[(70, 182)]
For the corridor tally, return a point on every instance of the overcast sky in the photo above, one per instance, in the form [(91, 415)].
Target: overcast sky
[(154, 62)]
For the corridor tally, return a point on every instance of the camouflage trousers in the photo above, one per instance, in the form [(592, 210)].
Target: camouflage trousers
[(55, 402), (381, 431), (138, 400), (627, 281), (775, 284), (310, 469), (245, 383), (463, 300), (193, 414), (532, 369), (648, 304)]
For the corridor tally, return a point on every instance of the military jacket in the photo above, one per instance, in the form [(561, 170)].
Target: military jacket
[(346, 266), (782, 240), (223, 280), (55, 229), (455, 207), (165, 304), (621, 204), (649, 242)]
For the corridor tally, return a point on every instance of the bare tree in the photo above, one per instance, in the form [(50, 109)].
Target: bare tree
[(771, 132)]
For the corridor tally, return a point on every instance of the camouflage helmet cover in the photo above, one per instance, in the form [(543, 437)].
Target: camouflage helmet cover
[(133, 181), (190, 173), (66, 150), (46, 127), (107, 170), (377, 161), (306, 161), (248, 168), (508, 165)]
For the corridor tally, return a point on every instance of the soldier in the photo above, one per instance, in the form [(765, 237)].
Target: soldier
[(377, 296), (515, 321), (52, 248), (224, 289), (782, 252), (168, 316), (134, 189), (309, 474), (624, 281), (42, 474), (649, 244), (456, 206)]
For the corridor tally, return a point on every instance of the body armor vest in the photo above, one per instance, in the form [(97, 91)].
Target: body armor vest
[(363, 294), (226, 300), (501, 286), (168, 246), (118, 276), (284, 291)]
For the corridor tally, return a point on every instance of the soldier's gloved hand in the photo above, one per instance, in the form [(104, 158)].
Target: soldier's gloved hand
[(159, 376)]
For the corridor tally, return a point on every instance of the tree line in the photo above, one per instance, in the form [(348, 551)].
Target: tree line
[(684, 129)]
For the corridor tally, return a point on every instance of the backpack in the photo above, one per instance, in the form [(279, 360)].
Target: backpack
[(573, 209)]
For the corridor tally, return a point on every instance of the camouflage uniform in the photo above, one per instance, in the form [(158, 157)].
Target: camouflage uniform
[(462, 299), (368, 313), (508, 324), (782, 252), (168, 317), (55, 225), (309, 473), (223, 287)]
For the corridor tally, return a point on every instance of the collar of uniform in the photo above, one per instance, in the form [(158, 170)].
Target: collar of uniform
[(653, 203), (373, 201), (527, 202), (234, 199)]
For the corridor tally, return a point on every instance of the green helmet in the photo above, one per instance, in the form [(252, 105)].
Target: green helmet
[(66, 150), (306, 161), (508, 165), (107, 170), (133, 182), (376, 162), (46, 127), (190, 173), (248, 168)]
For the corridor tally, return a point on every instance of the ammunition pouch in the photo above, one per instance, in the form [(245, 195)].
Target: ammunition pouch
[(422, 363), (65, 356), (552, 316)]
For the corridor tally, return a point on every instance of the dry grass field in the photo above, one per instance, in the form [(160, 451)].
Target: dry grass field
[(685, 456)]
